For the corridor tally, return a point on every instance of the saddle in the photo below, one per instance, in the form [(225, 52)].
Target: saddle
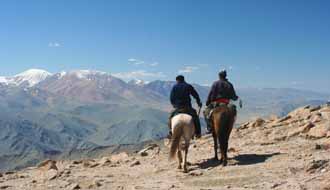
[(182, 110), (220, 104)]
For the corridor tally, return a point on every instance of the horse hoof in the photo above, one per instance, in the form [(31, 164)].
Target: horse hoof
[(185, 170), (216, 159), (225, 163), (179, 167)]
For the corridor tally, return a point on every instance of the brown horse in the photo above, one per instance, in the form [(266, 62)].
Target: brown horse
[(223, 119)]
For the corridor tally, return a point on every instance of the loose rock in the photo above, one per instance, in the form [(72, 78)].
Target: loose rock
[(136, 163), (5, 187), (9, 173), (51, 174), (316, 165), (76, 162), (319, 131), (74, 186), (48, 165), (197, 173), (105, 161), (315, 108), (119, 157), (95, 184), (90, 164), (284, 119)]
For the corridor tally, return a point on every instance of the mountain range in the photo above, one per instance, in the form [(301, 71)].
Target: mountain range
[(48, 115)]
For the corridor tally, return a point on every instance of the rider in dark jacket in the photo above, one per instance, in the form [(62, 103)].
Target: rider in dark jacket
[(222, 91), (181, 102)]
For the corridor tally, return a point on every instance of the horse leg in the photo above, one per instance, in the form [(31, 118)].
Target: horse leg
[(224, 152), (215, 146), (222, 148), (180, 159), (226, 142), (185, 170)]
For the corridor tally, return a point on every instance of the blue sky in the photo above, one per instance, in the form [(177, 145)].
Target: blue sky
[(262, 43)]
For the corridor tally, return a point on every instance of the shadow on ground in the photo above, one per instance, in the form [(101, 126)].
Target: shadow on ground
[(249, 159), (243, 159), (209, 163)]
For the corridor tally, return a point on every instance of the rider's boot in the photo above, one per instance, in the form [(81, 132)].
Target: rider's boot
[(169, 136), (207, 121), (198, 132)]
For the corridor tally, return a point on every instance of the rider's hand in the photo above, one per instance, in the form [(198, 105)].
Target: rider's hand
[(240, 103), (199, 104)]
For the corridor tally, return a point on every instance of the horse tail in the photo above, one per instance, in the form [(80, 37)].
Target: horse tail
[(224, 120), (176, 137), (223, 129)]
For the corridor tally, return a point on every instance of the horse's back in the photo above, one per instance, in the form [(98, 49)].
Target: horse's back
[(224, 109), (182, 129), (184, 123), (223, 119), (182, 119)]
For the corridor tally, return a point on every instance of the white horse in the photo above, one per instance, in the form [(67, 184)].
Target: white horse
[(183, 130)]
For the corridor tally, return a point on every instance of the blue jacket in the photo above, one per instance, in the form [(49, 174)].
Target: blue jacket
[(180, 95)]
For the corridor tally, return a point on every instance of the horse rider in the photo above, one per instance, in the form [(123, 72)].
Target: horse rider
[(221, 93), (181, 102)]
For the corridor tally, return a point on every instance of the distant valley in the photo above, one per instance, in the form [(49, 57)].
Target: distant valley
[(48, 115)]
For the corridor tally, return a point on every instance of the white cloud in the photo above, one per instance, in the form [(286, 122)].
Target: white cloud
[(206, 84), (154, 64), (294, 83), (54, 44), (139, 63), (203, 65), (132, 60), (188, 69), (139, 74), (227, 68), (135, 61)]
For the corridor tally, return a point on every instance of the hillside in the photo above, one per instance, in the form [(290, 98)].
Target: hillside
[(290, 152), (48, 115)]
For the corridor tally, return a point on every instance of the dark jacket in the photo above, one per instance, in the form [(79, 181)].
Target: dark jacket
[(180, 95), (221, 89)]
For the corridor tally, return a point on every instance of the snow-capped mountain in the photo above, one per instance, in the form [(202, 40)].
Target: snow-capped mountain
[(3, 80), (138, 82), (97, 86), (29, 78), (82, 74), (33, 77)]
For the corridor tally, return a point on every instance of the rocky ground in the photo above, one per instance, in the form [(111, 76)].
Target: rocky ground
[(277, 153)]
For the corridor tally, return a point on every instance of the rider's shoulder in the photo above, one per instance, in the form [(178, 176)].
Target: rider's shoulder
[(217, 82), (186, 84)]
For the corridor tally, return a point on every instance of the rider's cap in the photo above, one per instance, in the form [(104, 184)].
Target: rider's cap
[(223, 73), (180, 78)]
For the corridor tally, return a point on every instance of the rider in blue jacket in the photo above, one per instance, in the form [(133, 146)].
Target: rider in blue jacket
[(181, 102)]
